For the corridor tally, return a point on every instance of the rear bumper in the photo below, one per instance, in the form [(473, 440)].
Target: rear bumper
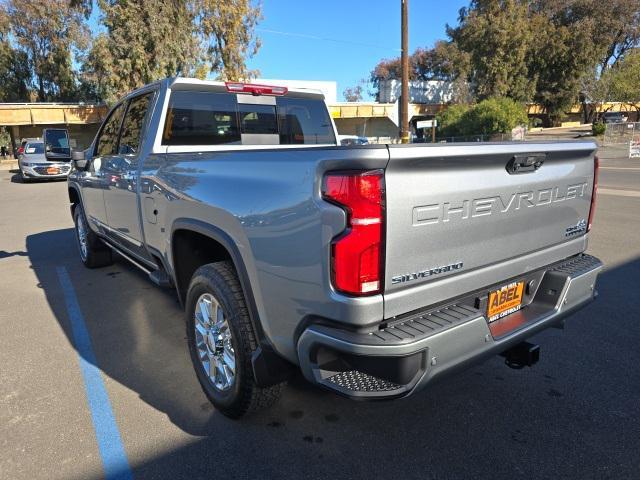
[(407, 356)]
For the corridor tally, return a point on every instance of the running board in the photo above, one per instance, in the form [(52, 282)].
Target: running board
[(161, 279)]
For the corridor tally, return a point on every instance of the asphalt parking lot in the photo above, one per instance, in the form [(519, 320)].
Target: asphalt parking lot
[(576, 414)]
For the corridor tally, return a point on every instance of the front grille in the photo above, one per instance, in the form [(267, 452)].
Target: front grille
[(43, 170)]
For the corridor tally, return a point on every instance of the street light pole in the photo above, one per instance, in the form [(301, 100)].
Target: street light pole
[(404, 96)]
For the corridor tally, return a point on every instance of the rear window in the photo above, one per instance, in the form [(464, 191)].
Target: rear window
[(208, 118), (34, 148)]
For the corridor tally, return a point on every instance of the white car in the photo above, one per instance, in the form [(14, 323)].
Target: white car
[(352, 140), (34, 165)]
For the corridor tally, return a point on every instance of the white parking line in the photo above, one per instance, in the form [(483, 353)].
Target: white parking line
[(620, 193)]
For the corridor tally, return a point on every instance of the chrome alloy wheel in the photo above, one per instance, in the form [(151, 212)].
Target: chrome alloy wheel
[(82, 237), (213, 342)]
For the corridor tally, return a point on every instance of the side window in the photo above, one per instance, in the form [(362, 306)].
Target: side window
[(132, 125), (201, 118), (108, 139)]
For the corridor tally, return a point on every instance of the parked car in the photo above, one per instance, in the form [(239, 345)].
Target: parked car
[(34, 165), (614, 117), (23, 142), (346, 140), (374, 270)]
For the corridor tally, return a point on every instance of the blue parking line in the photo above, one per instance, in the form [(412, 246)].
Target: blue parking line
[(114, 458)]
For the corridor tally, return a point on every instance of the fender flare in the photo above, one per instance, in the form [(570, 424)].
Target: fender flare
[(269, 368)]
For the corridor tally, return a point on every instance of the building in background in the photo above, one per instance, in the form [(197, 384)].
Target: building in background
[(27, 120), (429, 92)]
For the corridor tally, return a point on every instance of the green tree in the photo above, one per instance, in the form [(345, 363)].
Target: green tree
[(623, 80), (576, 43), (13, 66), (559, 59), (147, 40), (46, 36), (496, 35)]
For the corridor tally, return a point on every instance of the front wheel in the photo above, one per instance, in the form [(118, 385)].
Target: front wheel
[(221, 342), (93, 252)]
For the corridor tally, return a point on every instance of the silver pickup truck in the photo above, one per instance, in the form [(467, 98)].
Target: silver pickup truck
[(373, 269)]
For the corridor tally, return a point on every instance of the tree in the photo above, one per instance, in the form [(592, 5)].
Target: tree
[(443, 62), (496, 35), (548, 51), (623, 80), (13, 68), (559, 59), (46, 35), (147, 40), (577, 42), (353, 94), (613, 26), (227, 27)]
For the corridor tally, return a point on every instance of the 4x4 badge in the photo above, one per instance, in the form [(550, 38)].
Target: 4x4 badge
[(579, 227)]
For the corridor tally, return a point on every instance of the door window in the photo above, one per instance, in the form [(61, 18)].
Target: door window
[(132, 126), (201, 118), (108, 140)]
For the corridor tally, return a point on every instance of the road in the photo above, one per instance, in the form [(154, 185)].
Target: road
[(576, 414)]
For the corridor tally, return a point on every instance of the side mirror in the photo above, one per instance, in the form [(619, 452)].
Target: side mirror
[(56, 142), (79, 159)]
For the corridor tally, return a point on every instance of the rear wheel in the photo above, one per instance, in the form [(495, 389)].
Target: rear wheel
[(221, 342), (93, 252)]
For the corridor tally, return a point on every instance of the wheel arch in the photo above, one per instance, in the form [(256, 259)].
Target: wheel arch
[(74, 196), (269, 367)]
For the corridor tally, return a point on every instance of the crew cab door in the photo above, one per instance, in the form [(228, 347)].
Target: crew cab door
[(121, 170), (93, 181)]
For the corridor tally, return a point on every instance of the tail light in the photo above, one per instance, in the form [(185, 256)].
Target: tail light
[(255, 89), (357, 253), (594, 193), (20, 150)]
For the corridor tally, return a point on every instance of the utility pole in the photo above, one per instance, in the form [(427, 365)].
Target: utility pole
[(404, 98)]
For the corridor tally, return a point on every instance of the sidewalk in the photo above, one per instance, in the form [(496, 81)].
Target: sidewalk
[(8, 164)]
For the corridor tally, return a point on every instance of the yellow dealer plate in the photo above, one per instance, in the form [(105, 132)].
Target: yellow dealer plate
[(505, 301)]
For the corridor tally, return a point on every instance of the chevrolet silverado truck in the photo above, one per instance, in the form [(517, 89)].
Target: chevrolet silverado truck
[(374, 269)]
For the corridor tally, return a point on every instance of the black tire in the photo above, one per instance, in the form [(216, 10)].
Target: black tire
[(24, 178), (243, 395), (97, 253)]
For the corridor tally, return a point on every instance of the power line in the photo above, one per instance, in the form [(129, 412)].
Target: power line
[(324, 39)]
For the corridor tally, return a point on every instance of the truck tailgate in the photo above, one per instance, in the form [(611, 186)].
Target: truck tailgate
[(463, 210)]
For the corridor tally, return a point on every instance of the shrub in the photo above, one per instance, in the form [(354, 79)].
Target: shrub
[(450, 120), (598, 129), (493, 115)]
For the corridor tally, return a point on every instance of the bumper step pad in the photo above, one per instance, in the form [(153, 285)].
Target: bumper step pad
[(356, 381)]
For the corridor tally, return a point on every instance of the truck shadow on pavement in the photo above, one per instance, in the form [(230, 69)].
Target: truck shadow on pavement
[(564, 417)]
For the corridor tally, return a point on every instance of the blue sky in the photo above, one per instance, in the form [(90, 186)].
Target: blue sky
[(364, 31), (340, 40)]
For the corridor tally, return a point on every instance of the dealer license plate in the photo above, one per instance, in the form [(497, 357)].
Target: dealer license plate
[(53, 170), (505, 301)]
